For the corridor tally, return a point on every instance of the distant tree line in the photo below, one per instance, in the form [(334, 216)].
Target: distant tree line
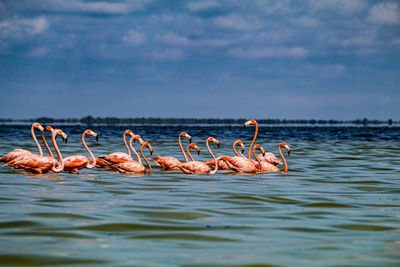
[(113, 120)]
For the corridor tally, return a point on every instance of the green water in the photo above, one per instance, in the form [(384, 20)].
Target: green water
[(339, 205)]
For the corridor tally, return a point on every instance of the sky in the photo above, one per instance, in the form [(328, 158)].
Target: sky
[(311, 59)]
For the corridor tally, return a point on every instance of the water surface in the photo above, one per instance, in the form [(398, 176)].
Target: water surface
[(338, 205)]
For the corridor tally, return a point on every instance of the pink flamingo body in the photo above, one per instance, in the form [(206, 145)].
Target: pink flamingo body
[(23, 152), (195, 167), (171, 163), (242, 164), (104, 161), (77, 162), (267, 167), (40, 164), (269, 158), (221, 163), (133, 166)]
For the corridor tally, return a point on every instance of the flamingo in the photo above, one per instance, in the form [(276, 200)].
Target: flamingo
[(133, 166), (221, 164), (194, 167), (194, 146), (242, 164), (77, 162), (40, 164), (47, 129), (268, 156), (267, 167), (23, 152), (104, 161), (171, 163)]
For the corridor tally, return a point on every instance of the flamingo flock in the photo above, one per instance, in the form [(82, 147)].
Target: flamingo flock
[(124, 163)]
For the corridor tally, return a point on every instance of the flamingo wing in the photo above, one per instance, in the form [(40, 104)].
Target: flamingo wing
[(75, 162)]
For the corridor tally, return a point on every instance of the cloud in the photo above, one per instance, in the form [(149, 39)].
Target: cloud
[(269, 52), (22, 28), (237, 22), (199, 6), (343, 7), (167, 55), (135, 38), (385, 13), (171, 38)]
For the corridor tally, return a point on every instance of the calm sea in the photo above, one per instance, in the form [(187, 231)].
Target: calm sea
[(339, 204)]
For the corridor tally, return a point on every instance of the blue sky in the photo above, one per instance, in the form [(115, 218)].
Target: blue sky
[(322, 59)]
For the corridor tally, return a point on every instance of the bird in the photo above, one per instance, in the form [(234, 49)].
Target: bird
[(267, 167), (242, 164), (133, 166), (77, 162), (195, 167), (222, 164), (40, 164), (171, 163), (104, 161), (194, 146), (247, 123), (23, 152)]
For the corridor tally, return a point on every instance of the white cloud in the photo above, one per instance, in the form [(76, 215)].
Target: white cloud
[(21, 28), (135, 38), (269, 52), (385, 13), (340, 6), (196, 6), (237, 22), (167, 55), (174, 39)]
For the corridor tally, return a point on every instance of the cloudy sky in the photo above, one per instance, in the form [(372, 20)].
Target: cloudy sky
[(322, 59)]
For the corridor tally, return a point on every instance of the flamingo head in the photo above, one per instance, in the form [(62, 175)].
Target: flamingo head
[(92, 133), (250, 122), (259, 147), (138, 138), (147, 144), (61, 133), (48, 128), (286, 147), (128, 132), (212, 139), (242, 146), (194, 146), (37, 125), (185, 134)]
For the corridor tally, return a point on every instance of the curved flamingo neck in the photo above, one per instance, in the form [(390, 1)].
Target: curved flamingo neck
[(148, 164), (188, 152), (254, 140), (283, 158), (183, 152), (93, 164), (46, 144), (60, 166), (134, 150), (36, 141), (259, 162), (126, 145), (234, 148), (215, 160)]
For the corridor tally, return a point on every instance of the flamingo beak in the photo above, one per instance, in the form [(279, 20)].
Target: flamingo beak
[(190, 139), (141, 141), (66, 139), (41, 128), (97, 138), (198, 152), (218, 145)]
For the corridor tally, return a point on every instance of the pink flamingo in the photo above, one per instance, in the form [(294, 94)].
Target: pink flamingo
[(23, 152), (242, 164), (47, 129), (104, 161), (221, 164), (193, 146), (133, 166), (194, 167), (40, 164), (77, 162), (171, 163), (267, 167), (268, 156)]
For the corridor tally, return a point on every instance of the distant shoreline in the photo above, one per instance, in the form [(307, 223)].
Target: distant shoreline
[(89, 120)]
